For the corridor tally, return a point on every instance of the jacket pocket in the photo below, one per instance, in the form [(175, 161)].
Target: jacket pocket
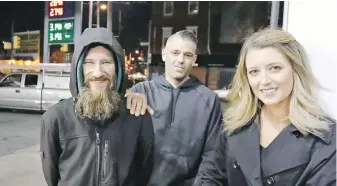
[(286, 177), (177, 142), (169, 168)]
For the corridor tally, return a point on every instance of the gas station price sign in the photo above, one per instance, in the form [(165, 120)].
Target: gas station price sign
[(61, 9), (61, 31)]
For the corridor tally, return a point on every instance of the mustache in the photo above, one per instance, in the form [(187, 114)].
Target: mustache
[(111, 80), (102, 78)]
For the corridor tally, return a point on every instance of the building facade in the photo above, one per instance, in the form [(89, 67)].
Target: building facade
[(220, 28)]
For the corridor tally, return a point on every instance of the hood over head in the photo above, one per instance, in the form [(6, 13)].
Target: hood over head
[(95, 36)]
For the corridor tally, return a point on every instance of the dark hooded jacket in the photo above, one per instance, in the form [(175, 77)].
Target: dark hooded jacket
[(187, 121), (79, 152)]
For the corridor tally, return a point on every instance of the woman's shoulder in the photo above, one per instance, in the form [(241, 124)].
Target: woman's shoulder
[(329, 136)]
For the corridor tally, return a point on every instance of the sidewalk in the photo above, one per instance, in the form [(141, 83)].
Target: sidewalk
[(22, 168)]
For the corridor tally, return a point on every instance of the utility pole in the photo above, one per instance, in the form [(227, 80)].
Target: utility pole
[(97, 13), (275, 7), (12, 39), (109, 16), (119, 22), (46, 48), (91, 4), (78, 20), (149, 57)]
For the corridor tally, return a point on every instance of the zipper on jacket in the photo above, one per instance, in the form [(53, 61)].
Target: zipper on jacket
[(105, 158), (98, 158)]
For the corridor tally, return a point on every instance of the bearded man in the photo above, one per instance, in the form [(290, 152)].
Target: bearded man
[(91, 139)]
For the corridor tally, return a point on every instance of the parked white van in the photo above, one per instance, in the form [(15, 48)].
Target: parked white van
[(35, 90)]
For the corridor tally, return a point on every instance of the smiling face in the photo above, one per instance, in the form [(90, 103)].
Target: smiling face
[(99, 69), (270, 75), (97, 100)]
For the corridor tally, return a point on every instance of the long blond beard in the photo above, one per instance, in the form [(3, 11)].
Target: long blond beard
[(97, 105)]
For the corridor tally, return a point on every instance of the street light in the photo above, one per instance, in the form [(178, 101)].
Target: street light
[(28, 62), (103, 7)]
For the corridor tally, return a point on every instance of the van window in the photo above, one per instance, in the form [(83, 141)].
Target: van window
[(13, 80), (31, 80)]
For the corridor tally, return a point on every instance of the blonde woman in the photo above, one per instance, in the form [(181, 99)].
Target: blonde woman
[(275, 131)]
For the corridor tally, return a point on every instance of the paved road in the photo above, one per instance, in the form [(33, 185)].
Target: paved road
[(22, 167), (20, 162), (18, 130)]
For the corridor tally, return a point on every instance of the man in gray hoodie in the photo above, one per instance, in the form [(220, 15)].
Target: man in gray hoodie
[(91, 139), (187, 115)]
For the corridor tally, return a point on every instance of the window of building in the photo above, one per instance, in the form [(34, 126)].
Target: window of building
[(193, 7), (168, 8), (239, 19), (154, 33), (194, 29), (167, 32), (153, 41)]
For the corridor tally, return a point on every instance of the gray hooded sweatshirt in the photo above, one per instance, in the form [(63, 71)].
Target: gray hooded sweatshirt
[(113, 152), (187, 121)]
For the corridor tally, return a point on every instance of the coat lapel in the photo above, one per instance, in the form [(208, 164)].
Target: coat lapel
[(244, 146), (289, 149)]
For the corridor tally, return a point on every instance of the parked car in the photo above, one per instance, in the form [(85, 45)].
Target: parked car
[(33, 90), (222, 93)]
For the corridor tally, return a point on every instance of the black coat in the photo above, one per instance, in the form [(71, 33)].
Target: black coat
[(290, 160), (119, 152)]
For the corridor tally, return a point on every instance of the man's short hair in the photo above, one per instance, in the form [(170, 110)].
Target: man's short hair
[(188, 35)]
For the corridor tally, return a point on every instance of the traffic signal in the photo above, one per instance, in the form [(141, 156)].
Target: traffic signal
[(143, 55), (16, 42)]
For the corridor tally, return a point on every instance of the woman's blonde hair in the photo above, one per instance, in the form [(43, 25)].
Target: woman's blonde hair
[(304, 111)]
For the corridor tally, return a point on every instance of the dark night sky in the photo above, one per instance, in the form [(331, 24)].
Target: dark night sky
[(26, 15), (29, 15)]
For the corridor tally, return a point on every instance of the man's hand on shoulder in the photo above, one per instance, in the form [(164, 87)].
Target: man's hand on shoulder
[(137, 103)]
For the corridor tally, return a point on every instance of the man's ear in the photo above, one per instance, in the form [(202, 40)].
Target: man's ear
[(195, 59), (163, 54)]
